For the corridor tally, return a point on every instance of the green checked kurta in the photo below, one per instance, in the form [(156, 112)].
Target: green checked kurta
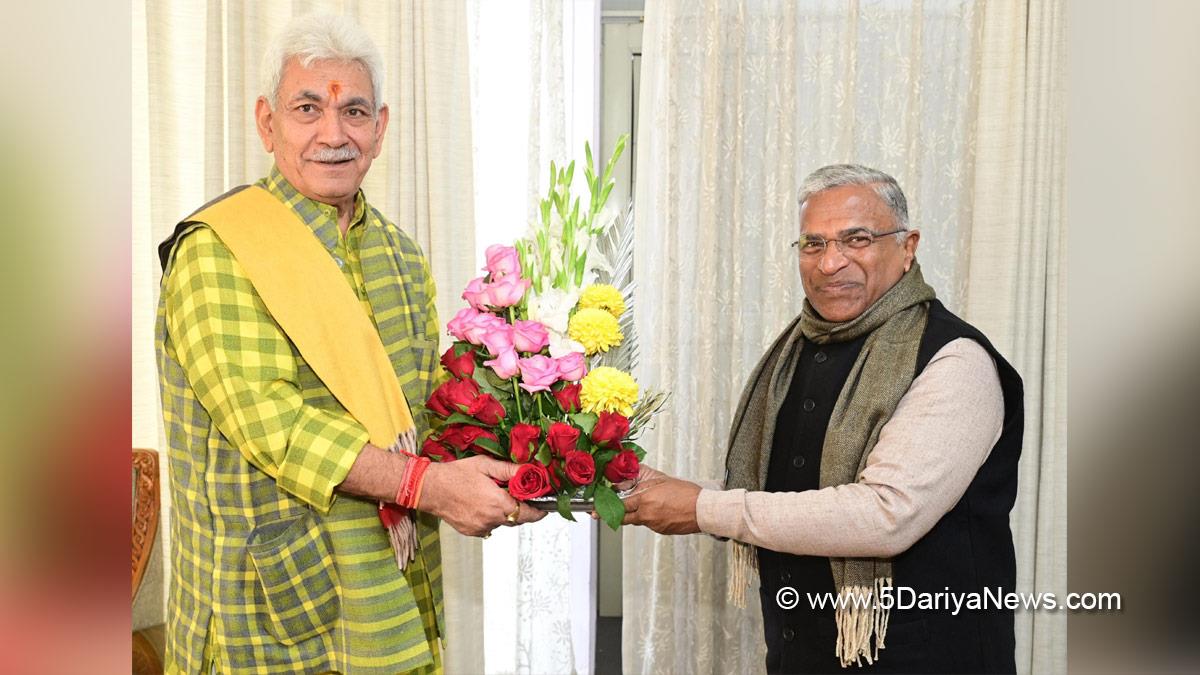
[(271, 570)]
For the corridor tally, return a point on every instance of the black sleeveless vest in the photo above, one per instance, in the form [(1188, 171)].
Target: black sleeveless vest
[(969, 549)]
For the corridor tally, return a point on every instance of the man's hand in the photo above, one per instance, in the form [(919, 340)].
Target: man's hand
[(664, 504), (464, 493)]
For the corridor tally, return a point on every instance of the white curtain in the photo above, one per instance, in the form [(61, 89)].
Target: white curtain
[(960, 100), (196, 74), (533, 84)]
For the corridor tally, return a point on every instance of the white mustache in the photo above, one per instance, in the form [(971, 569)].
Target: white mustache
[(342, 154)]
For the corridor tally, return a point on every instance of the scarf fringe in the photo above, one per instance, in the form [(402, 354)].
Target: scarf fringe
[(859, 616), (403, 534), (744, 565)]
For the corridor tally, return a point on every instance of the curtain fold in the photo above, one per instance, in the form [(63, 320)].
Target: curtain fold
[(1016, 286), (959, 100), (202, 65)]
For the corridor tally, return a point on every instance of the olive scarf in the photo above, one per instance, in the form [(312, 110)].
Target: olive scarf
[(883, 372)]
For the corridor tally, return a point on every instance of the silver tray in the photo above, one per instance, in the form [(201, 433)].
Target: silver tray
[(578, 504)]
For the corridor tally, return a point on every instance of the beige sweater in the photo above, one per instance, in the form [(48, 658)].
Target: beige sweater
[(928, 453)]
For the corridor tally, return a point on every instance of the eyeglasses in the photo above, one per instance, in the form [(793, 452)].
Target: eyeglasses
[(812, 247)]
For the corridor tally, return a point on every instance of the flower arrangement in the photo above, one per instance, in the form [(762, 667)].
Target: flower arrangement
[(539, 370)]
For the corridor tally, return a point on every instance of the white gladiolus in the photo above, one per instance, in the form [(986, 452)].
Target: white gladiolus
[(552, 307), (561, 345)]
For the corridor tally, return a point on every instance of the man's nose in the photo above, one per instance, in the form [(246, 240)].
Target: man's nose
[(832, 259), (331, 130)]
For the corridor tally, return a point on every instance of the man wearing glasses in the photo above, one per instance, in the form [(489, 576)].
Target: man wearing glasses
[(872, 459)]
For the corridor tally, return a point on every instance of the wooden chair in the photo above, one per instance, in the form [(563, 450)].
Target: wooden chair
[(146, 657)]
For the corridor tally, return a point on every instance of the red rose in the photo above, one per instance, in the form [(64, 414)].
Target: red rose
[(623, 467), (523, 441), (610, 430), (461, 366), (462, 437), (486, 409), (580, 467), (436, 451), (562, 437), (447, 398), (568, 398), (555, 469), (531, 480)]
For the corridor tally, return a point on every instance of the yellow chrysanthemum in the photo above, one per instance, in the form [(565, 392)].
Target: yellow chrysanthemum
[(595, 329), (605, 297), (608, 389)]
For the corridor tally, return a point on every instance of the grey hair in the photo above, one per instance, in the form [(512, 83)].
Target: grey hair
[(321, 37), (837, 175)]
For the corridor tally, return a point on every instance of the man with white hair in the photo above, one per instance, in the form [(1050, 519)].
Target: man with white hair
[(872, 461), (296, 326)]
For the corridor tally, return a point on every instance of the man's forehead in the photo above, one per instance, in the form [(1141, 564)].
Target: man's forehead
[(348, 75), (841, 205)]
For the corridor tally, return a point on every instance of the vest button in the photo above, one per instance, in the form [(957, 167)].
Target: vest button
[(820, 357), (785, 576), (339, 261), (798, 461), (809, 404), (788, 634)]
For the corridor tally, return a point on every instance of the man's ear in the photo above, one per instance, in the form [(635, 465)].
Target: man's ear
[(910, 248), (381, 123), (263, 121)]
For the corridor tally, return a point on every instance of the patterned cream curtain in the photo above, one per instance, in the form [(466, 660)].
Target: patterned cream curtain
[(196, 75), (960, 100)]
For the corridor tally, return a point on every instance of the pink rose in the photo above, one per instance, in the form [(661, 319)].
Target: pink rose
[(530, 336), (502, 261), (461, 322), (473, 326), (571, 367), (538, 373), (505, 365), (475, 294), (499, 339), (507, 292)]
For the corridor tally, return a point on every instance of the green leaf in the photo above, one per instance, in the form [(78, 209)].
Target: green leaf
[(481, 378), (605, 456), (564, 506), (492, 447), (585, 421), (604, 196), (460, 418), (637, 449), (461, 348), (609, 506), (493, 379), (543, 454), (602, 459)]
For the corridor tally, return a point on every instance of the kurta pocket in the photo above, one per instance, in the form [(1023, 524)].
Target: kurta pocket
[(297, 575)]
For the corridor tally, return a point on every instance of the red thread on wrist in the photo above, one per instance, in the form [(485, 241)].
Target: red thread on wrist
[(410, 482)]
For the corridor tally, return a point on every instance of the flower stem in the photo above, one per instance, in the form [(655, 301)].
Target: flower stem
[(516, 391)]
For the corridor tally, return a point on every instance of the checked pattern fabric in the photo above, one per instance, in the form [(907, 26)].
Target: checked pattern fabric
[(273, 571)]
